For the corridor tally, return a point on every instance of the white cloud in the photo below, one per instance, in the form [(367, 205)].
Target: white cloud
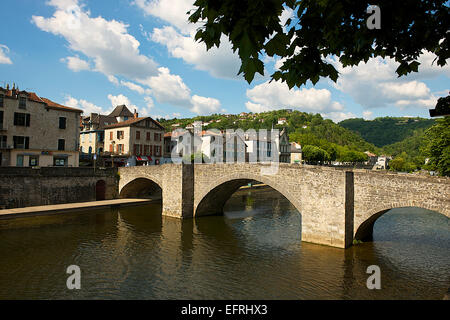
[(338, 116), (169, 88), (76, 64), (113, 80), (219, 62), (86, 106), (202, 105), (135, 87), (149, 102), (120, 100), (368, 115), (4, 59), (375, 83), (107, 43), (171, 11), (276, 95)]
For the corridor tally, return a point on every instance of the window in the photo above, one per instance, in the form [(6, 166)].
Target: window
[(21, 119), (60, 161), (62, 122), (21, 142), (1, 119), (3, 142), (148, 135), (147, 124), (120, 135), (61, 144), (138, 135), (34, 161), (111, 135), (1, 100), (22, 103), (157, 136)]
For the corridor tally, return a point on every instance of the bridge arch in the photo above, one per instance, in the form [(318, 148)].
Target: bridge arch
[(141, 188), (212, 198), (364, 231)]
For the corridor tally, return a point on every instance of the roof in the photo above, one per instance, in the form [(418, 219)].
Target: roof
[(121, 111), (101, 120), (131, 122), (54, 105), (296, 147), (370, 154), (34, 97)]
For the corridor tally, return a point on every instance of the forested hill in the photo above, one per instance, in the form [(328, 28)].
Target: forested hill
[(387, 130)]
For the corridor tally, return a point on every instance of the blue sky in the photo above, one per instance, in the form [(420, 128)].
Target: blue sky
[(94, 55)]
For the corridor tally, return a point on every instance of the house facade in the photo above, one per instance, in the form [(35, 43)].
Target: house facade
[(140, 139), (296, 153), (35, 131), (260, 147), (92, 135)]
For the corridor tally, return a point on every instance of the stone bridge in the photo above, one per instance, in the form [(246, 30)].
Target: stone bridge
[(336, 205)]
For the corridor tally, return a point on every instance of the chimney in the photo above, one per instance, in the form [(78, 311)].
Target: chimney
[(135, 114)]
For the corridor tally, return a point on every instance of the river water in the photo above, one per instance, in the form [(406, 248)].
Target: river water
[(254, 251)]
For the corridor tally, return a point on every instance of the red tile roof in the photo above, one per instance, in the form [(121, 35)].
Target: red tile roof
[(126, 123), (55, 105), (34, 97)]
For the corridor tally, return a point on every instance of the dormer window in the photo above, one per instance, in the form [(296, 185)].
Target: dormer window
[(22, 103)]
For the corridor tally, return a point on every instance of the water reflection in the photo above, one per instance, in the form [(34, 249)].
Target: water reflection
[(254, 251)]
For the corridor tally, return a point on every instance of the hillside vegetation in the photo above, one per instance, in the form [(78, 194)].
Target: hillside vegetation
[(387, 130)]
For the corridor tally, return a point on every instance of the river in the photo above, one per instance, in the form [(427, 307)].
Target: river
[(254, 251)]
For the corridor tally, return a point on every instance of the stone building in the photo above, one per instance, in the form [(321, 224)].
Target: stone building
[(140, 139), (220, 146), (35, 131), (92, 135), (261, 146)]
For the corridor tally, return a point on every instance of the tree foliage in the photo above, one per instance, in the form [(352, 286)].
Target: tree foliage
[(436, 146), (323, 29), (314, 155)]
